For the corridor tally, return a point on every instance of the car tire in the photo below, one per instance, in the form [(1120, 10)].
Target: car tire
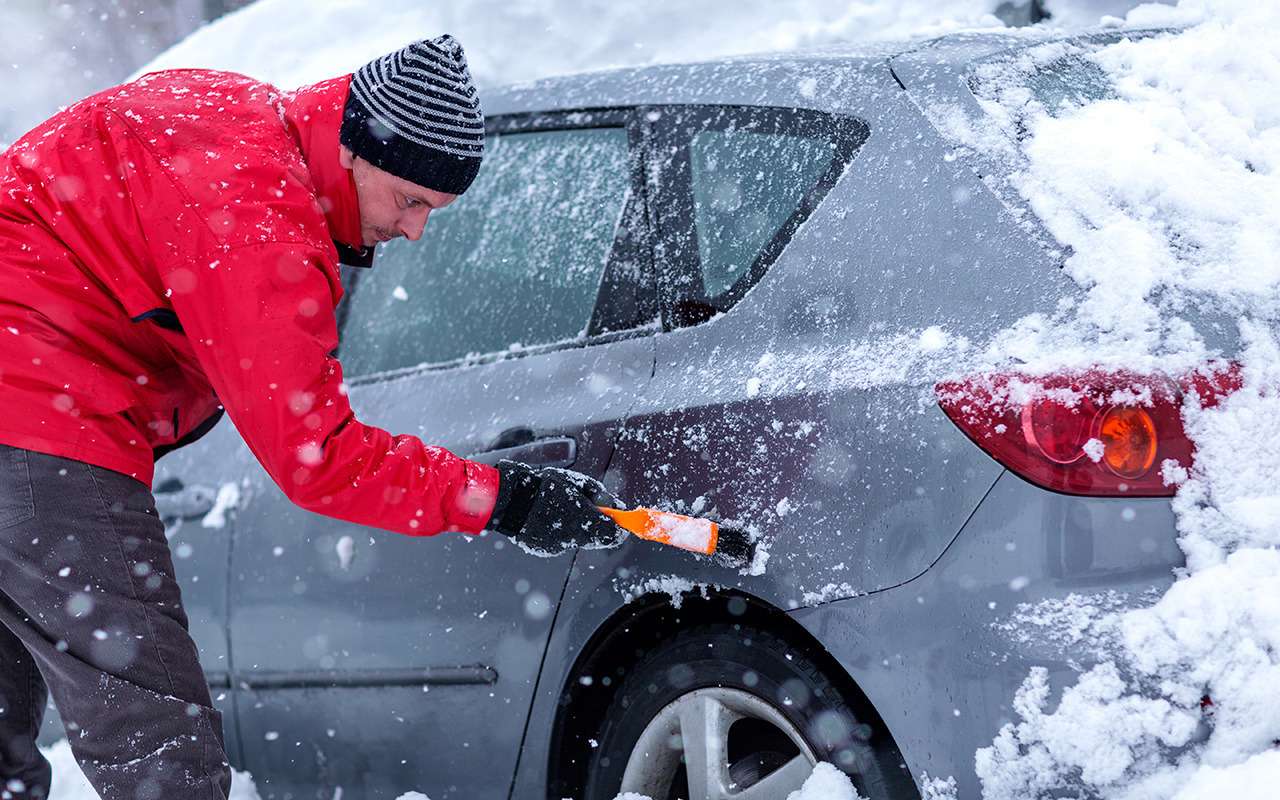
[(768, 697)]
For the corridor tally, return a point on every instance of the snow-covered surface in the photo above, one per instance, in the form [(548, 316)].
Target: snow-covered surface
[(509, 43), (69, 783), (826, 783), (228, 498), (687, 533), (675, 586), (1166, 191)]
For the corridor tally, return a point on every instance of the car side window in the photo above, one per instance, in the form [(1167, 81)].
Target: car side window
[(745, 187), (730, 185), (515, 262)]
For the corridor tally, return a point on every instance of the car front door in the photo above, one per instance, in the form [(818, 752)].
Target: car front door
[(370, 664)]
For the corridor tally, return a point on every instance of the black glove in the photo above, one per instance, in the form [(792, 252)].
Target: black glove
[(547, 511)]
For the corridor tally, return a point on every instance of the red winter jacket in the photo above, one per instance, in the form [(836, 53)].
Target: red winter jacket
[(170, 245)]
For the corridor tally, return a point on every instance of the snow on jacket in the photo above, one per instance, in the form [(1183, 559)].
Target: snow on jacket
[(171, 245)]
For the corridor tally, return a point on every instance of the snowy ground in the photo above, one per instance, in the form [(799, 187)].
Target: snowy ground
[(1179, 214), (69, 782)]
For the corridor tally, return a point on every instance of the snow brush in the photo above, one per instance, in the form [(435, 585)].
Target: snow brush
[(694, 534)]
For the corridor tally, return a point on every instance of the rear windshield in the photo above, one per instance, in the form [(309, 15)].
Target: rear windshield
[(1013, 90), (1050, 79)]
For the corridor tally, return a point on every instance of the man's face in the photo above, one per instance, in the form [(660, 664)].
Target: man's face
[(390, 207)]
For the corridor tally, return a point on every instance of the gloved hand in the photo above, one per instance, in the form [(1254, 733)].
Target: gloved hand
[(549, 510)]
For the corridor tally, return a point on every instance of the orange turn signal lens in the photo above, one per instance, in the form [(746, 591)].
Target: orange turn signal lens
[(1129, 436)]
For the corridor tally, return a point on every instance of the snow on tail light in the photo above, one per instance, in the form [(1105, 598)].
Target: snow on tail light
[(1087, 433)]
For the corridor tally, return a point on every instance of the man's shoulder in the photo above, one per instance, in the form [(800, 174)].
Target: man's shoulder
[(198, 97), (224, 140), (204, 83)]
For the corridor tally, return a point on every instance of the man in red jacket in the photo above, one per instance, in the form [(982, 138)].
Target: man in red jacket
[(169, 248)]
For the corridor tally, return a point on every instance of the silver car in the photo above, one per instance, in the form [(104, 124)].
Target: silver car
[(728, 289)]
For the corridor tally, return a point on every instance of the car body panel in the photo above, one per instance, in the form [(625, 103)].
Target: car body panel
[(943, 656), (802, 411)]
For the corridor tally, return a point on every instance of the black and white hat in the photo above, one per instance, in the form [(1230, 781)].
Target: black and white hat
[(415, 114)]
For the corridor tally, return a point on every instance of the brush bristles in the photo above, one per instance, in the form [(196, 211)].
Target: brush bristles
[(735, 545)]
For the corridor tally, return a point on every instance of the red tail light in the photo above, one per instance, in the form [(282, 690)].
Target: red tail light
[(1088, 433)]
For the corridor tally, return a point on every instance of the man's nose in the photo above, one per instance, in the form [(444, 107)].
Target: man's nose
[(411, 225)]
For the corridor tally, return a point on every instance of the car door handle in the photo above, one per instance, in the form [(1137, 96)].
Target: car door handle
[(176, 501), (549, 451)]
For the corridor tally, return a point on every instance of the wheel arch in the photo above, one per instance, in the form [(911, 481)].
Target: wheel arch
[(620, 640)]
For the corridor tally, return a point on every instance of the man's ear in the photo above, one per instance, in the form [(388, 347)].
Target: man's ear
[(345, 157)]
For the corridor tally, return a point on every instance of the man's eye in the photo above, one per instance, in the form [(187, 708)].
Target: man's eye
[(410, 202)]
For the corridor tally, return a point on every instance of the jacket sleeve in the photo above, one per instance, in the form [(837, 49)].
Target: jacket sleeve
[(261, 320)]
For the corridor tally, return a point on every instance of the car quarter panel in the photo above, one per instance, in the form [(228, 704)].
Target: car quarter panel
[(806, 411), (1024, 584)]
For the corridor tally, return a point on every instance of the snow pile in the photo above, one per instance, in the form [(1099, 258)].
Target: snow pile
[(1075, 627), (69, 783), (228, 498), (824, 783), (674, 586), (550, 36), (1166, 188)]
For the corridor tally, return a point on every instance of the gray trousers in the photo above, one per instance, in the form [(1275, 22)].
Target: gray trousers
[(90, 609)]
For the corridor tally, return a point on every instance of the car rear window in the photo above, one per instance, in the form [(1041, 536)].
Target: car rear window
[(1053, 78), (746, 185), (1015, 91), (730, 186), (515, 262)]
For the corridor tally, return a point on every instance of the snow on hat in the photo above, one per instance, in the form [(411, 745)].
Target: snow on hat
[(415, 114)]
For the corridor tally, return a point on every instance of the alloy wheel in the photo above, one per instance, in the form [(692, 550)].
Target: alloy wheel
[(726, 743)]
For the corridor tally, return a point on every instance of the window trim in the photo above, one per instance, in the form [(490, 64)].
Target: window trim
[(681, 292), (633, 242)]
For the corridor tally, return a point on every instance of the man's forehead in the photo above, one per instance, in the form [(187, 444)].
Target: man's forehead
[(409, 187)]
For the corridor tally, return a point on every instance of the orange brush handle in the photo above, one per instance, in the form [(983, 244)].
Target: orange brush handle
[(677, 530)]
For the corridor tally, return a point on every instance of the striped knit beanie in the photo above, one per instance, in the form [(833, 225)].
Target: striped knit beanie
[(415, 114)]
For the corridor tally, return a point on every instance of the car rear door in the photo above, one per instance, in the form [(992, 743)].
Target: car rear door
[(518, 327), (786, 394)]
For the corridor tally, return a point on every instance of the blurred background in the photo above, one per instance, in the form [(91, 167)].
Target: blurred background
[(54, 52)]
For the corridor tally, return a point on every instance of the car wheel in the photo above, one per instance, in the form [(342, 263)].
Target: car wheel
[(728, 713)]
